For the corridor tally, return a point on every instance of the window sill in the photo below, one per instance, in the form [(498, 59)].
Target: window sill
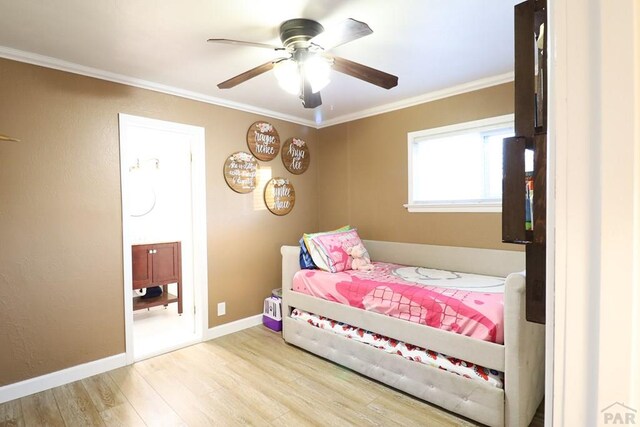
[(456, 207)]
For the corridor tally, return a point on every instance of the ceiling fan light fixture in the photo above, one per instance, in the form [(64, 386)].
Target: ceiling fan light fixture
[(288, 76), (306, 72), (317, 69)]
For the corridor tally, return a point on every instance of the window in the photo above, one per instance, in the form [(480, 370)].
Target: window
[(458, 168)]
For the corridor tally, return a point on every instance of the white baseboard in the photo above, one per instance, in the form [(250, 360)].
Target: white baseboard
[(231, 327), (75, 373), (58, 378)]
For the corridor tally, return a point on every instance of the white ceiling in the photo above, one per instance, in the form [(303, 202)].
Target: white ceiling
[(431, 45)]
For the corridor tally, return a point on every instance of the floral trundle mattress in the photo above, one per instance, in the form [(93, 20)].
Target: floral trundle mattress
[(408, 351)]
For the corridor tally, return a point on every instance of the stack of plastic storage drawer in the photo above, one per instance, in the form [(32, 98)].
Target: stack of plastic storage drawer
[(272, 314)]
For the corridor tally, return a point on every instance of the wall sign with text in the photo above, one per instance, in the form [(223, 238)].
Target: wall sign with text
[(279, 196), (241, 172), (263, 141), (295, 155)]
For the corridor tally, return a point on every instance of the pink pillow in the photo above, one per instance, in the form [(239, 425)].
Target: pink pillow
[(317, 254), (335, 245)]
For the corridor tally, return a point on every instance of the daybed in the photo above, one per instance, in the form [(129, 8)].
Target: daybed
[(521, 357)]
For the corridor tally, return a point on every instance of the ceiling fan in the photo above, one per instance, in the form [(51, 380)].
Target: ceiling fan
[(305, 71)]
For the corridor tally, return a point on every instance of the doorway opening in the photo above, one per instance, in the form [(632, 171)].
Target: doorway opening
[(163, 211)]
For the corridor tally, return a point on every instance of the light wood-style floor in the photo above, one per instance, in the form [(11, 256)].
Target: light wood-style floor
[(247, 378)]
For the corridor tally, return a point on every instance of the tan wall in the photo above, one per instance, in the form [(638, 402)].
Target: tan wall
[(363, 174), (61, 286), (61, 272)]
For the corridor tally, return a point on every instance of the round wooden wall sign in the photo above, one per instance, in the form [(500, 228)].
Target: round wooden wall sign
[(241, 172), (279, 196), (295, 155), (263, 140)]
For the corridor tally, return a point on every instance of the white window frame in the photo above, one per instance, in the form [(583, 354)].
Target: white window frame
[(462, 206)]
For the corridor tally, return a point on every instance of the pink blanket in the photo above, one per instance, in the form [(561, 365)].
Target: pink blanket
[(466, 304)]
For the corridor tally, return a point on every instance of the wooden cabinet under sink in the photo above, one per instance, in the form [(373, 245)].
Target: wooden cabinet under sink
[(157, 264)]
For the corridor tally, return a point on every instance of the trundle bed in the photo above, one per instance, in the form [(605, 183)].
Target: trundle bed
[(520, 358)]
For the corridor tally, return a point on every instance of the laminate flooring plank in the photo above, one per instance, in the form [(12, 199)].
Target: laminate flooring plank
[(41, 409), (76, 406), (182, 400), (332, 376), (409, 411), (227, 410), (311, 402), (236, 359), (193, 374), (294, 419), (156, 363), (103, 392), (219, 352), (249, 365), (243, 385), (151, 407), (297, 359), (291, 357), (285, 398), (237, 338), (11, 414), (262, 333), (122, 416), (249, 355), (350, 391), (207, 351), (303, 407), (343, 405)]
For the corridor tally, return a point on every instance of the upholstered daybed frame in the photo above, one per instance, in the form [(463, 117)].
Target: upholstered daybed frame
[(521, 358)]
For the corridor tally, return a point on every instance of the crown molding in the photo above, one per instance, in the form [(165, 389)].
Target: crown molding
[(70, 67), (421, 99), (58, 64)]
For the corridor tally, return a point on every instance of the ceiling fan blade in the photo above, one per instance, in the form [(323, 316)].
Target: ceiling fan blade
[(243, 43), (310, 99), (243, 77), (345, 32), (362, 72)]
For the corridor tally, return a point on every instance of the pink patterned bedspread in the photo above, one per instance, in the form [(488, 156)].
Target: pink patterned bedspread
[(466, 304)]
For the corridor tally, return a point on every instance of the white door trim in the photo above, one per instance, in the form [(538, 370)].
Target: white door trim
[(595, 72), (199, 216)]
